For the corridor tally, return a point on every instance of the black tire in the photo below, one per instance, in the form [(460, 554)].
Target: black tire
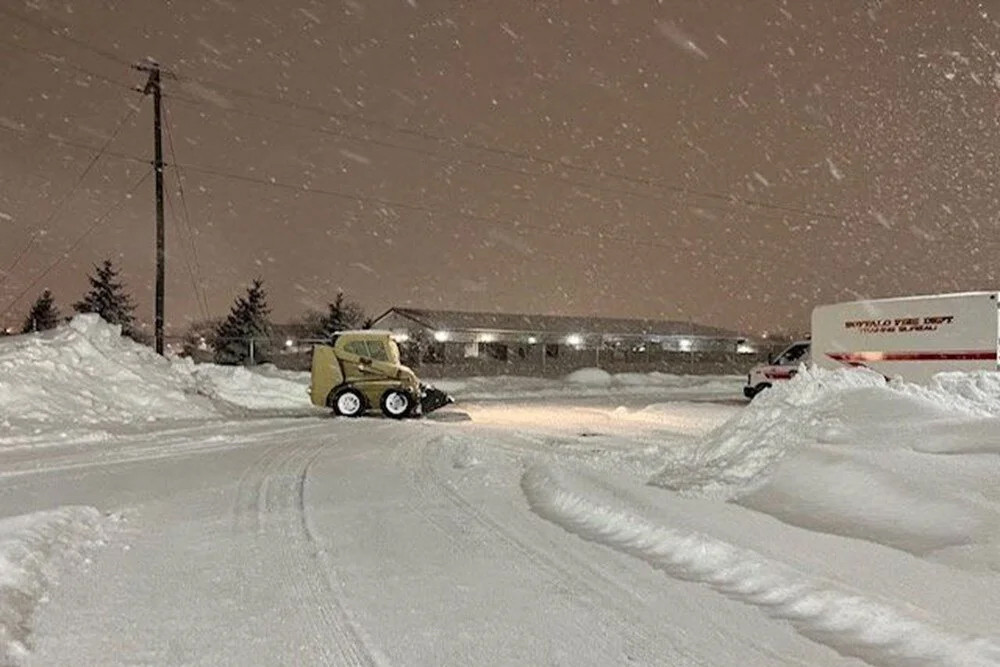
[(348, 402), (759, 388), (397, 404)]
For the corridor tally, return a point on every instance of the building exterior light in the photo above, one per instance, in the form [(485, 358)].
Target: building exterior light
[(401, 337), (576, 340), (486, 338), (441, 336), (289, 342), (744, 347), (532, 340), (684, 344)]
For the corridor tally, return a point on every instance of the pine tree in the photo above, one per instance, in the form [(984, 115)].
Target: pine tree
[(107, 297), (414, 350), (247, 321), (342, 315), (43, 316)]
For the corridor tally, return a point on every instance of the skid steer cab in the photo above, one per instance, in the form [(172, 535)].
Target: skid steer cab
[(361, 371)]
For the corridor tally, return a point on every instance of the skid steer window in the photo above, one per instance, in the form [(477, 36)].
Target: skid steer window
[(357, 347), (377, 351)]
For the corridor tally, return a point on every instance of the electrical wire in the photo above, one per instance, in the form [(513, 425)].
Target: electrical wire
[(728, 198), (187, 215), (63, 256), (101, 151), (184, 257)]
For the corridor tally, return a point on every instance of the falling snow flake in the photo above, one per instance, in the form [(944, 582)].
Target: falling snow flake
[(834, 171), (309, 15), (679, 39), (360, 159)]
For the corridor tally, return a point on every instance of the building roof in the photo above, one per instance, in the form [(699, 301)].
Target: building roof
[(454, 320)]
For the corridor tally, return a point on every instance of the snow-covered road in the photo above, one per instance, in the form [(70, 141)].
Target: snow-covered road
[(319, 541), (159, 513)]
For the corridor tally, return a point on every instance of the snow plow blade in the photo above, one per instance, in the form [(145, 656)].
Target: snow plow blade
[(431, 399)]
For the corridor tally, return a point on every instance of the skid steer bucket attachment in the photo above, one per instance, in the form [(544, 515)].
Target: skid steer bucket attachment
[(431, 399)]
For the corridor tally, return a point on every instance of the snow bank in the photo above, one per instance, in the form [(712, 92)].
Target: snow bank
[(33, 548), (592, 382), (876, 631), (591, 377), (845, 453), (253, 388), (821, 407), (86, 372)]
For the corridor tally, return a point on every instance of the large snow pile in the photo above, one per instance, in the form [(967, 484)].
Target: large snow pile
[(846, 453), (87, 372), (593, 382), (33, 549), (264, 387), (877, 629), (591, 377)]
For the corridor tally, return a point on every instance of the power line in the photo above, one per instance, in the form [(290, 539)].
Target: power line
[(187, 215), (75, 144), (519, 155), (658, 197), (62, 62), (451, 141), (79, 180), (76, 243), (184, 256), (349, 196), (519, 226), (49, 30), (601, 236)]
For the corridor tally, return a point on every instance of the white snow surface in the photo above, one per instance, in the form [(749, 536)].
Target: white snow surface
[(840, 617), (85, 372), (593, 382), (835, 521), (33, 549), (911, 467), (260, 388)]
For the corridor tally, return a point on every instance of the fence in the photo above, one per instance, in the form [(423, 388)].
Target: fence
[(539, 363)]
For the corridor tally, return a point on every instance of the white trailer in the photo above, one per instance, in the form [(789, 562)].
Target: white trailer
[(912, 338)]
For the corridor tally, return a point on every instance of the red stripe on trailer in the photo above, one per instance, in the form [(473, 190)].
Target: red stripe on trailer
[(960, 355)]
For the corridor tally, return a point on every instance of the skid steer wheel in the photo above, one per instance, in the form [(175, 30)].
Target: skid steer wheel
[(348, 403), (396, 404)]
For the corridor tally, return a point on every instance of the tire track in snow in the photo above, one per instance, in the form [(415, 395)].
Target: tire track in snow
[(271, 504), (852, 624), (564, 569), (569, 566)]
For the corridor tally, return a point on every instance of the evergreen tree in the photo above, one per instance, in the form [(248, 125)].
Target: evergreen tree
[(414, 350), (247, 321), (342, 316), (107, 297), (199, 336), (43, 316)]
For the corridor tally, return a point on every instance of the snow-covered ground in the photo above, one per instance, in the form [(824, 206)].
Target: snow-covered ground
[(163, 513)]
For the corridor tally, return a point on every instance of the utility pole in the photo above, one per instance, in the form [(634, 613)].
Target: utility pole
[(153, 86)]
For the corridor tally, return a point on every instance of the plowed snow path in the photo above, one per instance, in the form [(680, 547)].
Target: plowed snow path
[(334, 542)]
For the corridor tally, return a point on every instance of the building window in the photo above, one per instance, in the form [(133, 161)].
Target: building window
[(552, 350), (471, 350), (434, 353), (496, 351)]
